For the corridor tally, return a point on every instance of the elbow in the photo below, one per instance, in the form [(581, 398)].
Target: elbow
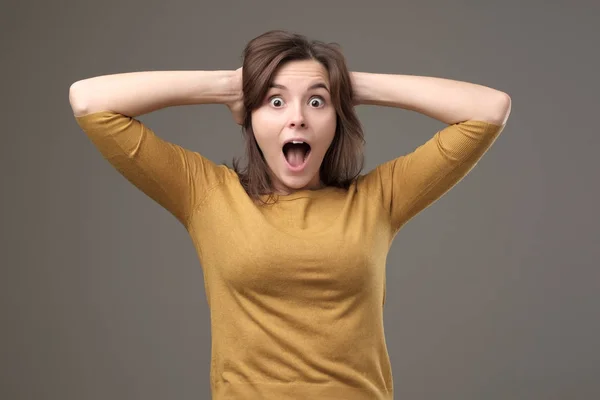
[(504, 107), (77, 99), (499, 109)]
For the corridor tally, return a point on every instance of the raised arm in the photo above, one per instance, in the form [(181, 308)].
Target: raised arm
[(106, 108), (475, 115), (137, 93), (446, 100)]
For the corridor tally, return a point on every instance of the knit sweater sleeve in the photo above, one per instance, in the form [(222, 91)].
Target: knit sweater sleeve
[(410, 183), (175, 177)]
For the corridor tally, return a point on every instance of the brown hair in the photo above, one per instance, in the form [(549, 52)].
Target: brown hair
[(262, 58)]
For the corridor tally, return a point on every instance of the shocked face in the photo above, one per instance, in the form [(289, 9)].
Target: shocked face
[(295, 125)]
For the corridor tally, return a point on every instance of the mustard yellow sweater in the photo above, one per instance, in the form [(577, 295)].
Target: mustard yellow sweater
[(296, 289)]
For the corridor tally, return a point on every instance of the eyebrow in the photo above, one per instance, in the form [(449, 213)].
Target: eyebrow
[(315, 86)]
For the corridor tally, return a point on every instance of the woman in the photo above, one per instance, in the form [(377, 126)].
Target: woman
[(293, 247)]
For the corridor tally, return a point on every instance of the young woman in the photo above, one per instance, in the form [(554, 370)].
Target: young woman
[(293, 246)]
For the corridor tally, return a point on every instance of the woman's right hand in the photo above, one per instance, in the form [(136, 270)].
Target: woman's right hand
[(236, 106)]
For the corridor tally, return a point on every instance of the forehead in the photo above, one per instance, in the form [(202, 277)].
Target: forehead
[(301, 72)]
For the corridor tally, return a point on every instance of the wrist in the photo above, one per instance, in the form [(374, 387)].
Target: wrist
[(230, 87), (210, 87), (356, 95), (359, 87)]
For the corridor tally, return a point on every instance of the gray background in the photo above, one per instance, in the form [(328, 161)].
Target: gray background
[(493, 291)]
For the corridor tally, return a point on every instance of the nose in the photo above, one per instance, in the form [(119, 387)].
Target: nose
[(297, 119), (294, 124)]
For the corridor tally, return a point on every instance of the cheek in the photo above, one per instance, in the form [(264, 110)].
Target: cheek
[(327, 130), (266, 134), (265, 143)]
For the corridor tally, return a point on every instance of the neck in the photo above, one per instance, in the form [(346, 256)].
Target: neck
[(281, 189)]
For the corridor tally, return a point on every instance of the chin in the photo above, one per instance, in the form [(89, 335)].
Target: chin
[(285, 179)]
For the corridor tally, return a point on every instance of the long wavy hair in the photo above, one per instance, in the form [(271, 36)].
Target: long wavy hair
[(262, 58)]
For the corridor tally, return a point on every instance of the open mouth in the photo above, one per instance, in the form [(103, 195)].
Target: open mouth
[(296, 152)]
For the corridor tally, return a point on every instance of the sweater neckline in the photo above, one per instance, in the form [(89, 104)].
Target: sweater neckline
[(301, 193)]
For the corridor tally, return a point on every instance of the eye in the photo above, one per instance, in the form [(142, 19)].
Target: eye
[(317, 102), (276, 101)]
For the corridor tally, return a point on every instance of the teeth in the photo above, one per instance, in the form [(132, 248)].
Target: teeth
[(297, 142)]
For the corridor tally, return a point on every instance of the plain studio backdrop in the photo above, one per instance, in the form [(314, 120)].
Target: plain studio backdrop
[(493, 292)]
